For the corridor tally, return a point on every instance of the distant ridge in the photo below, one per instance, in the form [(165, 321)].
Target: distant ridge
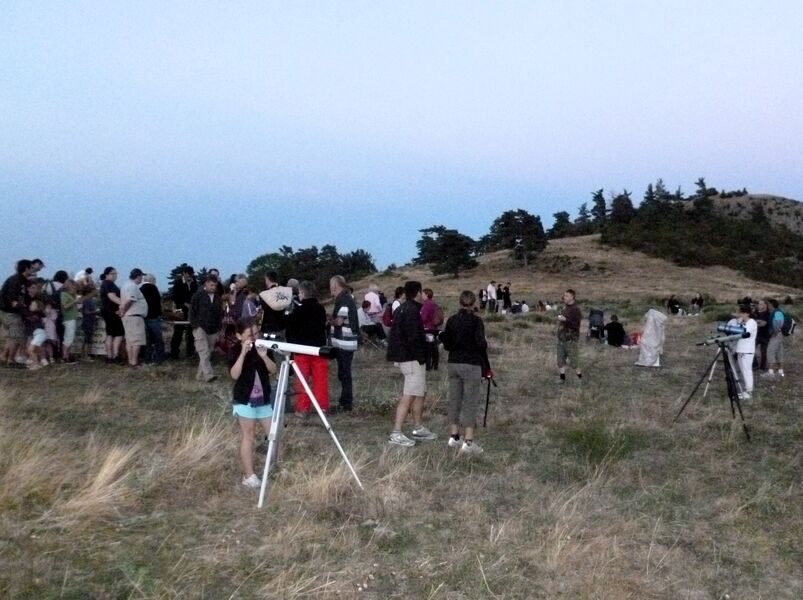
[(779, 210)]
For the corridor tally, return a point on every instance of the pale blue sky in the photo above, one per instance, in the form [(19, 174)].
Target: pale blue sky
[(153, 133)]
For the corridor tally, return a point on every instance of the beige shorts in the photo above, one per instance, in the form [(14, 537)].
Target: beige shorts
[(12, 326), (134, 331), (415, 378)]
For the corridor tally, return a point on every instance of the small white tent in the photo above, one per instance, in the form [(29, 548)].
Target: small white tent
[(652, 340)]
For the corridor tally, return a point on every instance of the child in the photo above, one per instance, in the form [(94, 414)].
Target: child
[(33, 321), (89, 312), (69, 315), (51, 346), (745, 348), (250, 367)]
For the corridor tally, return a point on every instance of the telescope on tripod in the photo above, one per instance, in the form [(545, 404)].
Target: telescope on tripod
[(727, 335), (283, 353)]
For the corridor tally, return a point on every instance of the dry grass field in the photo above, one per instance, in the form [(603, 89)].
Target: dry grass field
[(119, 483)]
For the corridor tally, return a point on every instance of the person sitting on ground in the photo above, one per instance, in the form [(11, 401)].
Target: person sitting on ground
[(250, 367), (614, 332), (524, 307), (306, 325), (696, 304), (374, 309), (464, 339), (368, 327), (673, 306)]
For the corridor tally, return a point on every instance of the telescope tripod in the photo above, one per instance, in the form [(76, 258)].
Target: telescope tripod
[(277, 422), (732, 381)]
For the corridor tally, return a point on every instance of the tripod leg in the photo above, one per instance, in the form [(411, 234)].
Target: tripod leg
[(708, 371), (325, 422), (734, 387), (711, 375), (487, 401), (275, 427)]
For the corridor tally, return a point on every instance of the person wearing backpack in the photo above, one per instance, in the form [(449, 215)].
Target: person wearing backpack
[(775, 344), (52, 290), (432, 318)]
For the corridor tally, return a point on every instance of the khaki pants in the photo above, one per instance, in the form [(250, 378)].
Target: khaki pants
[(204, 344)]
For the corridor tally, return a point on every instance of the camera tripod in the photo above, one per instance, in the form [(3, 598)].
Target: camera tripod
[(732, 381), (277, 422)]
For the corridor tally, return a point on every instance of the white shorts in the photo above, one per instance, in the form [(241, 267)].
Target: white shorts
[(69, 333), (38, 337)]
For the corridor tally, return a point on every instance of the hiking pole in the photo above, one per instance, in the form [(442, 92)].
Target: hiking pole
[(491, 380)]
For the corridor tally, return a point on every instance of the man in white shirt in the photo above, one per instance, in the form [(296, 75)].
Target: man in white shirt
[(133, 309), (744, 349), (491, 289)]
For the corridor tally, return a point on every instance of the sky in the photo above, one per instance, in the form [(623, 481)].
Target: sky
[(154, 133)]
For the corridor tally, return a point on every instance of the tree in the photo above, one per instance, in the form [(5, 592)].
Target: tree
[(622, 211), (582, 224), (518, 231), (599, 210), (650, 197), (562, 227), (445, 250), (427, 245)]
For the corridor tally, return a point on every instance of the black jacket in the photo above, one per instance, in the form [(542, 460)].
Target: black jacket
[(183, 293), (464, 339), (406, 341), (252, 363), (154, 300), (306, 325), (205, 313)]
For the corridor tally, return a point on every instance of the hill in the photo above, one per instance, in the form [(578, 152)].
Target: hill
[(779, 211), (597, 271)]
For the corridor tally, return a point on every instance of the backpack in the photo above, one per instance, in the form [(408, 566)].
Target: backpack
[(788, 326), (387, 316), (439, 316)]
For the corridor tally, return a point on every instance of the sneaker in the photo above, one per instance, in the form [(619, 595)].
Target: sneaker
[(44, 362), (472, 448), (453, 443), (252, 481), (399, 439), (767, 375), (422, 433), (747, 396)]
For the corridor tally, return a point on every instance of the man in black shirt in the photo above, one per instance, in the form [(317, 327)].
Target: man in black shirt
[(155, 348), (615, 333), (569, 335), (183, 291)]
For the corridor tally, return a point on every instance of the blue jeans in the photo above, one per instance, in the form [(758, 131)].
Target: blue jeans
[(344, 377), (155, 350)]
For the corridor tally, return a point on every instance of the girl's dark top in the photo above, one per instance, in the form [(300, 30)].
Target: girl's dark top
[(464, 339), (306, 325), (252, 364), (108, 287), (763, 332)]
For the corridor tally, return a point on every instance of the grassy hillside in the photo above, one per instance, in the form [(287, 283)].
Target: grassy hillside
[(779, 211), (119, 483)]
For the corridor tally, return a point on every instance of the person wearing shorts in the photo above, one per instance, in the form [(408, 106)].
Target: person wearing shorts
[(11, 304), (407, 348), (134, 309), (250, 367)]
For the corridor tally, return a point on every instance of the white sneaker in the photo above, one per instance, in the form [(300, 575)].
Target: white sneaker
[(252, 481), (472, 448), (44, 362), (422, 433), (453, 443), (399, 439)]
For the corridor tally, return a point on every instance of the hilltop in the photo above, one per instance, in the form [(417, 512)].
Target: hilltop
[(779, 210), (597, 271)]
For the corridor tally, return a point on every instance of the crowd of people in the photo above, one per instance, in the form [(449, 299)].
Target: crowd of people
[(40, 319)]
